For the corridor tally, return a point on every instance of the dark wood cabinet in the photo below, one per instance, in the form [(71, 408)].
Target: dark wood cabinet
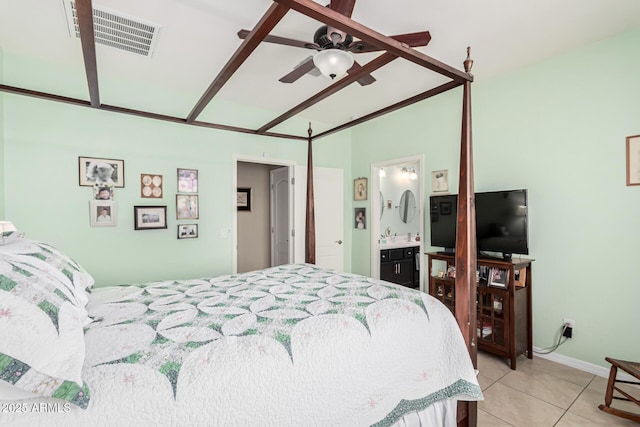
[(504, 322), (400, 266)]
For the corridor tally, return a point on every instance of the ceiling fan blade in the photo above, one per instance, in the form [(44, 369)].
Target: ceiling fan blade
[(281, 40), (343, 7), (364, 80), (418, 39), (299, 71)]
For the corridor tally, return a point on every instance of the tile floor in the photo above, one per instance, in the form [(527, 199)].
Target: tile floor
[(542, 393)]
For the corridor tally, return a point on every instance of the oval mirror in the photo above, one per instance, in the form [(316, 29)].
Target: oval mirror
[(381, 205), (407, 206)]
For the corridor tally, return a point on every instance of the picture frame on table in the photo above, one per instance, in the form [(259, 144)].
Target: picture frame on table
[(498, 277), (633, 160), (243, 199), (150, 217), (92, 170), (187, 231), (102, 213), (360, 189)]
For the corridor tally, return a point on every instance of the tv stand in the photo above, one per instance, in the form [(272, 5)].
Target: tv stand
[(503, 313)]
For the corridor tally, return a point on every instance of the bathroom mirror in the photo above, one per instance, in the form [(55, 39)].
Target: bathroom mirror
[(407, 206), (381, 205)]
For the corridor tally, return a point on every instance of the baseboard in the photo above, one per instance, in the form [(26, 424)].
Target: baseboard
[(600, 371)]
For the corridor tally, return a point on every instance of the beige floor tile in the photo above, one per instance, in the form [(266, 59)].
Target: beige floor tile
[(559, 370), (485, 382), (586, 406), (551, 389), (518, 408), (485, 419), (491, 366)]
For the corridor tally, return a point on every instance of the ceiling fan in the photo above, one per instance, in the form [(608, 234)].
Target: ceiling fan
[(331, 40)]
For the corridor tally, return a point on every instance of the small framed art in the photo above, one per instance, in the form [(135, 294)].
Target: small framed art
[(186, 207), (498, 277), (633, 160), (187, 180), (149, 217), (360, 189), (243, 199), (94, 170), (102, 213), (360, 218), (102, 191), (150, 186), (187, 231), (440, 181)]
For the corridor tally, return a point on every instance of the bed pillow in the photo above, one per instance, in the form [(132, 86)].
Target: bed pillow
[(42, 316)]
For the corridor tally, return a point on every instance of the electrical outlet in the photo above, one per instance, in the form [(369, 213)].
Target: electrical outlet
[(569, 322)]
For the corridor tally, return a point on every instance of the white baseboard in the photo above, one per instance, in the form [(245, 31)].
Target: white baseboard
[(581, 364)]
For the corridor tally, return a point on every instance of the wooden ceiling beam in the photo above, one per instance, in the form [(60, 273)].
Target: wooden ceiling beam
[(84, 9), (397, 106), (365, 70), (138, 113), (325, 15), (269, 20)]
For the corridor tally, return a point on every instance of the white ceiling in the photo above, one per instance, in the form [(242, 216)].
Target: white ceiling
[(199, 36)]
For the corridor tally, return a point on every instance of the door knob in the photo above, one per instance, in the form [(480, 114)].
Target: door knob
[(339, 242)]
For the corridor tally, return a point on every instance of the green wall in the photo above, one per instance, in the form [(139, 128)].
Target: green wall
[(558, 129), (2, 185), (43, 141)]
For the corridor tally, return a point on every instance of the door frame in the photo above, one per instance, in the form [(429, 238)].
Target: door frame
[(375, 211), (266, 160)]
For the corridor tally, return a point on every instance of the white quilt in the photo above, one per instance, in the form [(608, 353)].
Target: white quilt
[(289, 346)]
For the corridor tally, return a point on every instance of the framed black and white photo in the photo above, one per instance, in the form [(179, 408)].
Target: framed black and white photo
[(102, 213), (243, 199), (187, 180), (440, 181), (360, 189), (186, 207), (149, 217), (94, 170), (360, 218), (187, 231)]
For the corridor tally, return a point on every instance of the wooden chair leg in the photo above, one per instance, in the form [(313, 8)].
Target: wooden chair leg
[(608, 398)]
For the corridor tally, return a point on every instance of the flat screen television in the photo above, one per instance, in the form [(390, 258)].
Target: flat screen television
[(501, 221)]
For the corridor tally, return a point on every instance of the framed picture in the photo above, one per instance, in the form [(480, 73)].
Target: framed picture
[(102, 213), (186, 207), (445, 208), (93, 170), (102, 191), (360, 189), (633, 160), (149, 217), (498, 277), (360, 218), (440, 181), (243, 199), (150, 186), (187, 231), (187, 180)]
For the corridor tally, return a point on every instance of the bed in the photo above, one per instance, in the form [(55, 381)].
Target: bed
[(290, 345)]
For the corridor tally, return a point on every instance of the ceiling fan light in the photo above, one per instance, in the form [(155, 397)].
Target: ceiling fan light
[(333, 62)]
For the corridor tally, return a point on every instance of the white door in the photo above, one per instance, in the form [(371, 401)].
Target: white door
[(328, 188), (280, 229)]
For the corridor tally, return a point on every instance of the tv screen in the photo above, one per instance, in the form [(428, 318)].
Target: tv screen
[(501, 221)]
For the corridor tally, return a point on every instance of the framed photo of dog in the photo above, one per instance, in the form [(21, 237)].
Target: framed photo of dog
[(93, 170)]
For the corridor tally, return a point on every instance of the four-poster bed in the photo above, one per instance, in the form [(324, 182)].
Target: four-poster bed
[(102, 307)]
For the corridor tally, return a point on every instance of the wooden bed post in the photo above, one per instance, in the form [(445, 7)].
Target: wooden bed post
[(310, 227), (466, 240)]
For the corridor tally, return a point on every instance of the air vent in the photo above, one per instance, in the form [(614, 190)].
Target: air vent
[(116, 30)]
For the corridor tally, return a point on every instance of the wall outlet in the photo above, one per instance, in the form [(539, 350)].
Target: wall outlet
[(568, 331), (569, 322)]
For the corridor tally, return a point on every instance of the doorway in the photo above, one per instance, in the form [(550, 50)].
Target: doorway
[(263, 230)]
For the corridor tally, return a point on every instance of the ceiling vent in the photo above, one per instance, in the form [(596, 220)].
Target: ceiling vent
[(116, 29)]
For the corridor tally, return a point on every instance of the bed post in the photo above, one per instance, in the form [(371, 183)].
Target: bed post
[(310, 227), (466, 241)]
